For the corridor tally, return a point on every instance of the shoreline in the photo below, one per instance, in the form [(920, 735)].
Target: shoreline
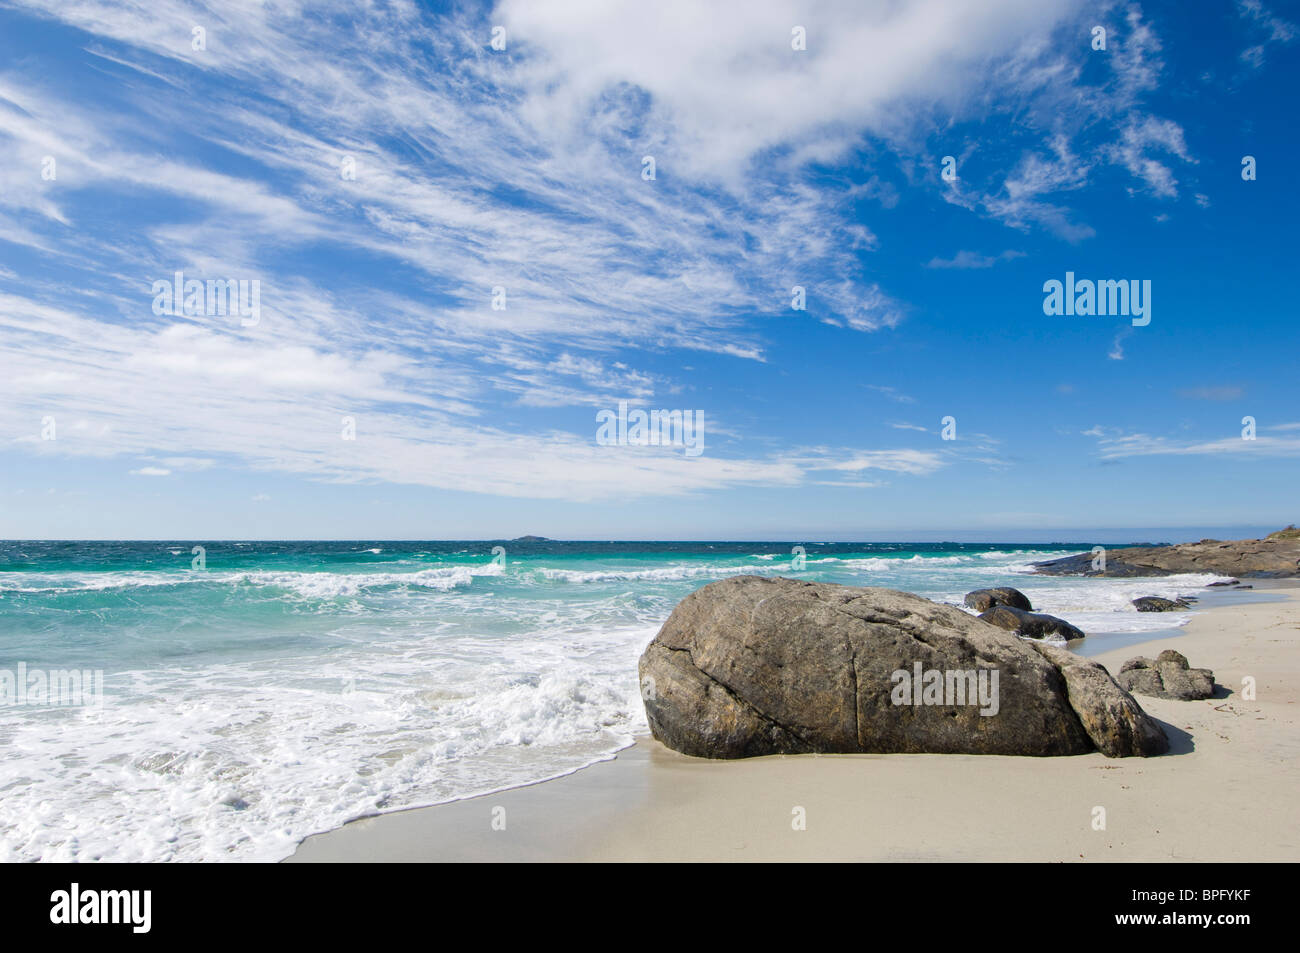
[(1104, 643), (1200, 802)]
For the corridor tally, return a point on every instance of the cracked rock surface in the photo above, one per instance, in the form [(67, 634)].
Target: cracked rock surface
[(754, 665)]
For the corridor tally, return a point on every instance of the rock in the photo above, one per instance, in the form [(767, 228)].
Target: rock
[(1226, 582), (1156, 604), (755, 665), (1081, 565), (1167, 677), (1112, 717), (1276, 556), (982, 600), (1032, 625)]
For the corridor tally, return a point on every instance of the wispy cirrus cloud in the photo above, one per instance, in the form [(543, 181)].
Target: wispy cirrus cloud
[(970, 259), (1219, 393), (470, 170), (1270, 29), (893, 393), (1113, 444)]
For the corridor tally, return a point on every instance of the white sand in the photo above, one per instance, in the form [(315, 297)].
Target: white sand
[(1226, 791)]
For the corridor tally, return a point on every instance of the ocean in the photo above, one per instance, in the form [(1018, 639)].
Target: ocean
[(254, 693)]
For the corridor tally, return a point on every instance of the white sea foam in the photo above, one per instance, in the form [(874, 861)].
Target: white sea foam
[(241, 761), (661, 574), (325, 585), (312, 584), (698, 570), (1099, 605)]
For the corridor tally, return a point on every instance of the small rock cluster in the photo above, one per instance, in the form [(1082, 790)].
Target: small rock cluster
[(1009, 608), (1167, 676)]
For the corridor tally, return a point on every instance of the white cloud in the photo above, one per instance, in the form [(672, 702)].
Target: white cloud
[(892, 393), (1211, 393), (1268, 26), (1113, 444), (722, 77), (1116, 352), (970, 259), (1020, 203), (281, 409), (188, 463), (1139, 137), (476, 169), (914, 462)]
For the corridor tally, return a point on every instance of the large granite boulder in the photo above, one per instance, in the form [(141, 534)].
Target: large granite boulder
[(981, 600), (1032, 625), (1157, 604), (1169, 676), (754, 665)]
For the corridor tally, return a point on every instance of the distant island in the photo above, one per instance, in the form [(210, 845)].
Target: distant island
[(531, 539)]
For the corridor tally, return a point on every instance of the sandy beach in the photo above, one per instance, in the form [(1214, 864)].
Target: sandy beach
[(1222, 793)]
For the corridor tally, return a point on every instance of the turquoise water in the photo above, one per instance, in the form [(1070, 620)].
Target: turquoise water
[(282, 688)]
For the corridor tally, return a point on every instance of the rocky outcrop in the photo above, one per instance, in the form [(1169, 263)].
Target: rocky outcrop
[(981, 600), (755, 665), (1169, 676), (1032, 625), (1276, 556), (1156, 604)]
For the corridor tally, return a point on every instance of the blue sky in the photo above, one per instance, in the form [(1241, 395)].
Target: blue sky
[(473, 168)]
